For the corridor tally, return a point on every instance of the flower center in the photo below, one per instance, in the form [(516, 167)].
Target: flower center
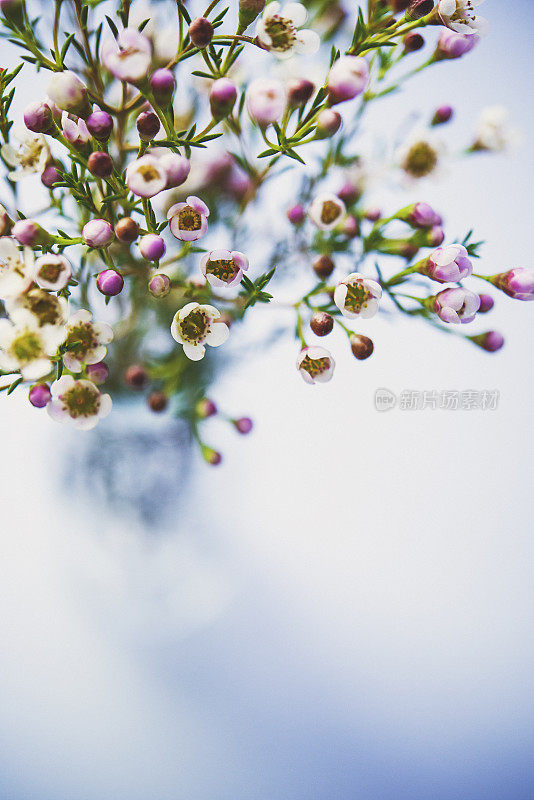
[(330, 212), (315, 366), (27, 347), (81, 340), (148, 173), (281, 31), (421, 159), (44, 306), (189, 219), (224, 269), (464, 13), (357, 297), (81, 400), (195, 326), (30, 153), (50, 272)]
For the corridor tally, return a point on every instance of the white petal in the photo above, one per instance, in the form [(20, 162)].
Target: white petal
[(447, 7), (296, 13), (369, 309), (271, 9), (307, 42), (57, 412), (182, 314), (211, 311), (340, 294), (36, 369), (62, 385), (105, 406), (218, 334), (194, 351)]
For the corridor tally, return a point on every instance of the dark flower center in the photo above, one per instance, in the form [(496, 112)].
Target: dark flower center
[(81, 401), (330, 212), (421, 160), (194, 326), (356, 297), (81, 339), (315, 366), (189, 219), (27, 347), (224, 269), (281, 31)]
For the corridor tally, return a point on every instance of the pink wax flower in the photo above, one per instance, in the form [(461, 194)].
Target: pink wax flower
[(448, 264), (456, 305)]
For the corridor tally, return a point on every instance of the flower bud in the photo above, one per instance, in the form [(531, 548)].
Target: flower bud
[(296, 214), (49, 176), (163, 85), (373, 214), (152, 247), (29, 233), (100, 164), (157, 401), (362, 347), (350, 226), (413, 42), (323, 266), (100, 125), (486, 303), (205, 408), (67, 91), (321, 323), (348, 77), (223, 94), (418, 9), (39, 395), (159, 285), (243, 425), (248, 11), (98, 373), (110, 282), (442, 115), (266, 101), (328, 123), (148, 125), (399, 5), (454, 45), (136, 376), (126, 230), (211, 456), (419, 215), (517, 283), (435, 236), (349, 193), (491, 341), (299, 91), (201, 32), (97, 233), (38, 117)]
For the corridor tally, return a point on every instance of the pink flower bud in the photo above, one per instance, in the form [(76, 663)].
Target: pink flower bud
[(347, 78), (100, 164), (517, 283), (448, 264), (486, 303), (201, 32), (136, 376), (328, 123), (110, 282), (266, 101), (349, 193), (205, 408), (50, 175), (243, 425), (67, 91), (443, 114), (299, 91), (128, 57), (211, 456), (98, 373), (456, 305), (223, 94), (296, 214), (97, 233), (163, 85), (491, 341), (100, 125), (29, 233), (39, 395), (159, 285), (454, 45), (152, 247), (420, 215), (38, 117), (147, 125)]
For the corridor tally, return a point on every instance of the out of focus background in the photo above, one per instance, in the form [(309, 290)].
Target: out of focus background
[(344, 608)]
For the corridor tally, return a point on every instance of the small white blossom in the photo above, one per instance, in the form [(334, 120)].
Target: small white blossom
[(278, 30), (16, 268), (194, 326), (420, 155), (86, 341), (188, 221), (28, 347), (316, 364), (460, 16), (79, 402), (146, 176), (493, 131), (30, 156), (357, 296), (326, 211), (52, 272), (128, 57), (46, 308), (223, 267)]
